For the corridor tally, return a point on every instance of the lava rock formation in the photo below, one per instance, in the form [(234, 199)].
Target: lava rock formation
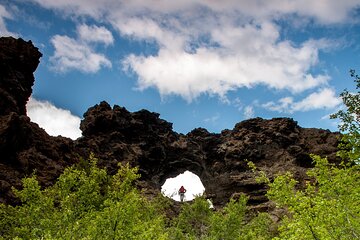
[(143, 139)]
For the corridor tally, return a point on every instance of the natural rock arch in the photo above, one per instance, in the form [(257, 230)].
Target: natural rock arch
[(189, 180), (143, 139)]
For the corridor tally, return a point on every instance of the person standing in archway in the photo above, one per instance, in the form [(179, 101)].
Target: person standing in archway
[(182, 192)]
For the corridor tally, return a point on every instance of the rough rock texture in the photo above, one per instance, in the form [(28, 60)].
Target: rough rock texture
[(24, 146), (144, 140), (18, 61)]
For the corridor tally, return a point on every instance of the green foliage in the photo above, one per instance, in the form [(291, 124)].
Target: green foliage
[(85, 203), (198, 221), (227, 224), (351, 115), (329, 207), (350, 122), (260, 227), (90, 204), (231, 223), (193, 220)]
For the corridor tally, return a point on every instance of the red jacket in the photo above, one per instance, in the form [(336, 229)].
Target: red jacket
[(182, 189)]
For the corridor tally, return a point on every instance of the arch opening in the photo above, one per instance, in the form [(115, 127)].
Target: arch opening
[(191, 182)]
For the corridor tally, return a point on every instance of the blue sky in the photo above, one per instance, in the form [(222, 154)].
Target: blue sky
[(198, 63)]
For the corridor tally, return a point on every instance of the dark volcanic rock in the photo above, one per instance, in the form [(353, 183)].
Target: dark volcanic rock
[(18, 61), (24, 146), (143, 139), (146, 141)]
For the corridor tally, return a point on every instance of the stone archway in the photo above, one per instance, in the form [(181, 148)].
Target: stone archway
[(190, 181)]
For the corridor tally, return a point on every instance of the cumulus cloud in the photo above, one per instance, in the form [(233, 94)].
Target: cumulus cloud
[(325, 11), (219, 70), (4, 14), (95, 34), (219, 56), (77, 54), (213, 47), (71, 54), (322, 99), (55, 121)]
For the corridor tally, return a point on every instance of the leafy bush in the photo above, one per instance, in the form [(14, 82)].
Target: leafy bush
[(84, 203), (198, 221), (87, 203), (329, 207)]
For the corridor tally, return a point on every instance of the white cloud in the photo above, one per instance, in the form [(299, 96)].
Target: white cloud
[(259, 60), (149, 29), (55, 121), (78, 54), (93, 8), (249, 112), (237, 103), (283, 105), (72, 54), (232, 56), (213, 47), (95, 34), (4, 14), (323, 99), (324, 11)]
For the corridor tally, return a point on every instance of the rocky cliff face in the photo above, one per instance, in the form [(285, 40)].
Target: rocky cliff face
[(144, 140), (24, 146)]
